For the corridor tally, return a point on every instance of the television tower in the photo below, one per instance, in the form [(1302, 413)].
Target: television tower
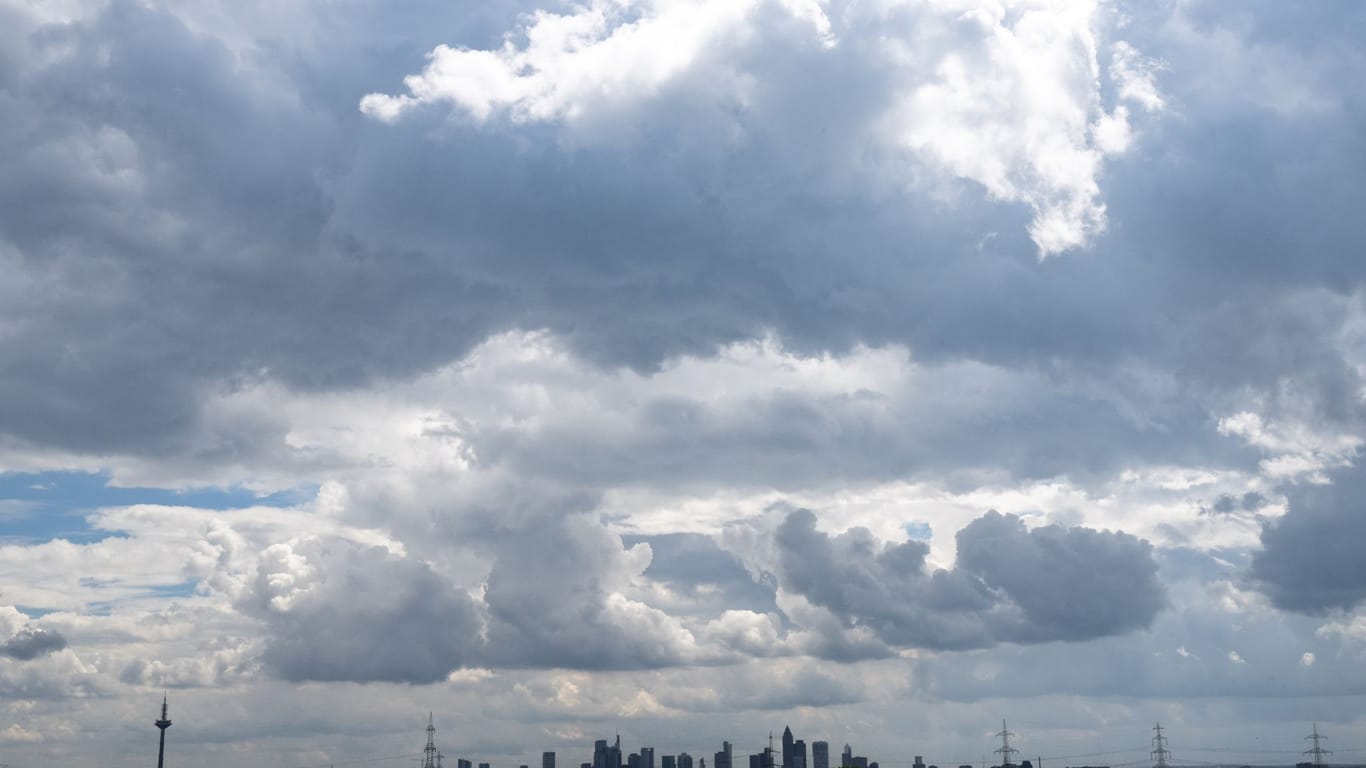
[(1160, 752), (162, 725), (429, 751), (1005, 750), (1318, 752)]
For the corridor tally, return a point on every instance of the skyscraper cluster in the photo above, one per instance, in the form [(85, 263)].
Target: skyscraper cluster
[(608, 754)]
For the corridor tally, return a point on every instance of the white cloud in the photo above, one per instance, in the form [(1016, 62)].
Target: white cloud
[(1004, 94), (606, 52), (1300, 450)]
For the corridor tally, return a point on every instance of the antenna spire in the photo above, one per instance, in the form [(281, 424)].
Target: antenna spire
[(162, 724), (1317, 751)]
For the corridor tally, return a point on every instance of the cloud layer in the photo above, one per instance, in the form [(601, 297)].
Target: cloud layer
[(364, 360)]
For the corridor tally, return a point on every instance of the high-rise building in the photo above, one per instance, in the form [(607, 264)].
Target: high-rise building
[(668, 761), (788, 751), (722, 759), (919, 762), (820, 754), (647, 757), (600, 752), (461, 762), (684, 760), (847, 757), (799, 754), (757, 761), (547, 760), (633, 760)]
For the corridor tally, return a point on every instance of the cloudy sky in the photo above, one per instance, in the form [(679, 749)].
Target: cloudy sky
[(681, 368)]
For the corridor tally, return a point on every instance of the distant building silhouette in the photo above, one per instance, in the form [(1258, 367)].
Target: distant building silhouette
[(647, 757), (820, 754), (684, 760), (668, 761), (722, 759), (789, 749), (547, 760)]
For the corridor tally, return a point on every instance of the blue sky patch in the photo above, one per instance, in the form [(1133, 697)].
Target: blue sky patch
[(36, 507)]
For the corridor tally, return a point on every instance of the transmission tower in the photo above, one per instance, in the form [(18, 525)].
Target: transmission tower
[(429, 751), (1005, 750), (1317, 751), (1160, 752)]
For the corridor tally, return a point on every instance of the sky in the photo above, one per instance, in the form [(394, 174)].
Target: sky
[(682, 369)]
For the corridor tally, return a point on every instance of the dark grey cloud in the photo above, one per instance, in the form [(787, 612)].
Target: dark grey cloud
[(1201, 647), (31, 642), (707, 578), (273, 231), (336, 610), (1010, 584), (1308, 562)]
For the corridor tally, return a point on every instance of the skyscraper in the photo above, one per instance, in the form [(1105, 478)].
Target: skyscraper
[(547, 760), (799, 754), (668, 761), (788, 748), (162, 725), (600, 754), (722, 759), (820, 754), (847, 756), (647, 757), (684, 760)]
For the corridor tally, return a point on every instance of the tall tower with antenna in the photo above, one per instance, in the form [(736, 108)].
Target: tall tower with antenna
[(162, 725), (429, 751), (1317, 750), (1160, 752), (1005, 750)]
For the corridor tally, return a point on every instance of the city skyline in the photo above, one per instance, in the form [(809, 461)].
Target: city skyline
[(902, 372), (611, 754)]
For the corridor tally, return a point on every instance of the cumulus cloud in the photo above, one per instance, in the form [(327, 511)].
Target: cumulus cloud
[(1010, 584), (556, 597), (1004, 94), (32, 642), (600, 52), (338, 610)]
